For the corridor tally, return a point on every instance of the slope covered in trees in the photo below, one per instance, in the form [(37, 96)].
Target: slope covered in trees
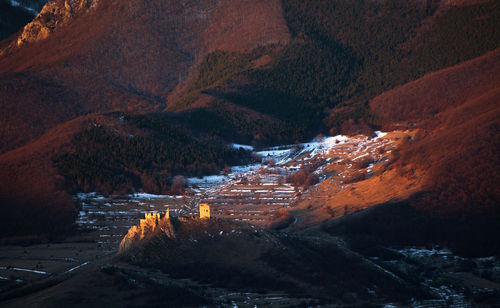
[(108, 162), (343, 54), (194, 77)]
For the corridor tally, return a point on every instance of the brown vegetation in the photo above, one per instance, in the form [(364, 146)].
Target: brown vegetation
[(282, 218), (119, 61), (31, 193), (459, 107), (454, 158), (421, 100), (305, 177)]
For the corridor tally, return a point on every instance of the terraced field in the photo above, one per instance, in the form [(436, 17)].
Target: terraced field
[(250, 194)]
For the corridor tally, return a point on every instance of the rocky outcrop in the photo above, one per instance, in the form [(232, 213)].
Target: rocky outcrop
[(53, 15), (151, 225), (179, 231)]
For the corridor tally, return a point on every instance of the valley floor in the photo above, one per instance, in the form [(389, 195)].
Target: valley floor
[(53, 274)]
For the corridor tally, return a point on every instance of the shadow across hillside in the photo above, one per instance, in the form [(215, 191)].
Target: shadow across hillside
[(403, 224)]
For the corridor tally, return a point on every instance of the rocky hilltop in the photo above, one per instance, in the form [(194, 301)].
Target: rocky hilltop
[(152, 224), (54, 15), (225, 254), (156, 226)]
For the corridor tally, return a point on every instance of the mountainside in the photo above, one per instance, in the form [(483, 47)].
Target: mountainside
[(105, 56), (452, 156), (451, 122), (341, 153), (458, 108), (422, 100), (173, 83), (32, 191)]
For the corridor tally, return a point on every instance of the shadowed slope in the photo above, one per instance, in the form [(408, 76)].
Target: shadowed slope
[(125, 55), (455, 159), (32, 195)]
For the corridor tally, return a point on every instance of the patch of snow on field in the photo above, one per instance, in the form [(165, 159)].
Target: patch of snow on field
[(280, 156), (76, 267), (91, 195), (380, 134), (245, 168), (323, 146), (242, 146), (147, 196), (23, 270), (422, 252), (209, 179)]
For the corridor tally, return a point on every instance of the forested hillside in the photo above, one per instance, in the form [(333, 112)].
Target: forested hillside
[(191, 79), (111, 163), (344, 53)]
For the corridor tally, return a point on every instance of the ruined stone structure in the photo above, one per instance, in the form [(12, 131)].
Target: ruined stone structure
[(148, 217), (151, 224), (159, 223), (204, 210)]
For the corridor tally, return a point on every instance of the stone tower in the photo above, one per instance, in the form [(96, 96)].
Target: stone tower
[(204, 210)]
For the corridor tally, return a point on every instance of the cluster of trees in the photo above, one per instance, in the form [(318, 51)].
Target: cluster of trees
[(461, 33), (219, 65), (299, 118), (316, 72), (239, 126), (348, 52), (305, 177), (109, 162)]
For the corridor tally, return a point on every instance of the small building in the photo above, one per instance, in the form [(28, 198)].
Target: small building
[(204, 210)]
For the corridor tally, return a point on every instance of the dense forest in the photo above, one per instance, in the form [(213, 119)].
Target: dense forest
[(377, 45), (343, 54), (109, 162)]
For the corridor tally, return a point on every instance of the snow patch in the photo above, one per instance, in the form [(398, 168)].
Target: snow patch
[(76, 267), (242, 146), (29, 9), (147, 196), (380, 134), (23, 270)]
